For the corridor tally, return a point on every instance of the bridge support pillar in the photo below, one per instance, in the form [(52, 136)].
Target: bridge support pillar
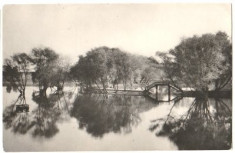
[(156, 92), (169, 92)]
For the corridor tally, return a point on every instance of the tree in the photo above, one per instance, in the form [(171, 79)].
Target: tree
[(98, 64), (105, 66), (200, 62), (16, 71), (91, 68), (79, 73), (147, 75), (225, 77), (102, 65), (150, 71), (123, 66), (44, 59), (60, 73)]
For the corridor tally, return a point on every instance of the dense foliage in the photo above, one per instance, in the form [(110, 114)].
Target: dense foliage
[(203, 63), (109, 67), (15, 72), (51, 69), (45, 67), (44, 60)]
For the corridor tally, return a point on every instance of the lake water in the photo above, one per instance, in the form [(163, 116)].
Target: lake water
[(72, 122)]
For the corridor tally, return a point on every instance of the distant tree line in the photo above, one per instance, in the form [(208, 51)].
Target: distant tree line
[(100, 68), (105, 67), (200, 62)]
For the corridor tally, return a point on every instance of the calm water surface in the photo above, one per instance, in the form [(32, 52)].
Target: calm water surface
[(71, 122)]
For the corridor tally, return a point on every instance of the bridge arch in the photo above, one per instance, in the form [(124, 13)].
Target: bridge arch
[(156, 86)]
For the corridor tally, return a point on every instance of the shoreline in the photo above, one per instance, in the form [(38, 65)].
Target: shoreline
[(132, 92), (214, 94)]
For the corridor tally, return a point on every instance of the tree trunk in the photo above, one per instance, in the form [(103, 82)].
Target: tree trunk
[(60, 87), (43, 91), (23, 93), (124, 85)]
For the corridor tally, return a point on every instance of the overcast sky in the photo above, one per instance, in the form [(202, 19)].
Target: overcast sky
[(72, 30)]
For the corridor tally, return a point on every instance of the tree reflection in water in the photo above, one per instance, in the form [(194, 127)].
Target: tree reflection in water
[(101, 114), (204, 127), (19, 122), (41, 121), (45, 116)]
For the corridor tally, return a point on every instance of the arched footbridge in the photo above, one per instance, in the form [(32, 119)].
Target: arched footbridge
[(157, 84)]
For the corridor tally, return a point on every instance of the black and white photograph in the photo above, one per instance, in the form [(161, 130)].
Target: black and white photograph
[(116, 77)]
